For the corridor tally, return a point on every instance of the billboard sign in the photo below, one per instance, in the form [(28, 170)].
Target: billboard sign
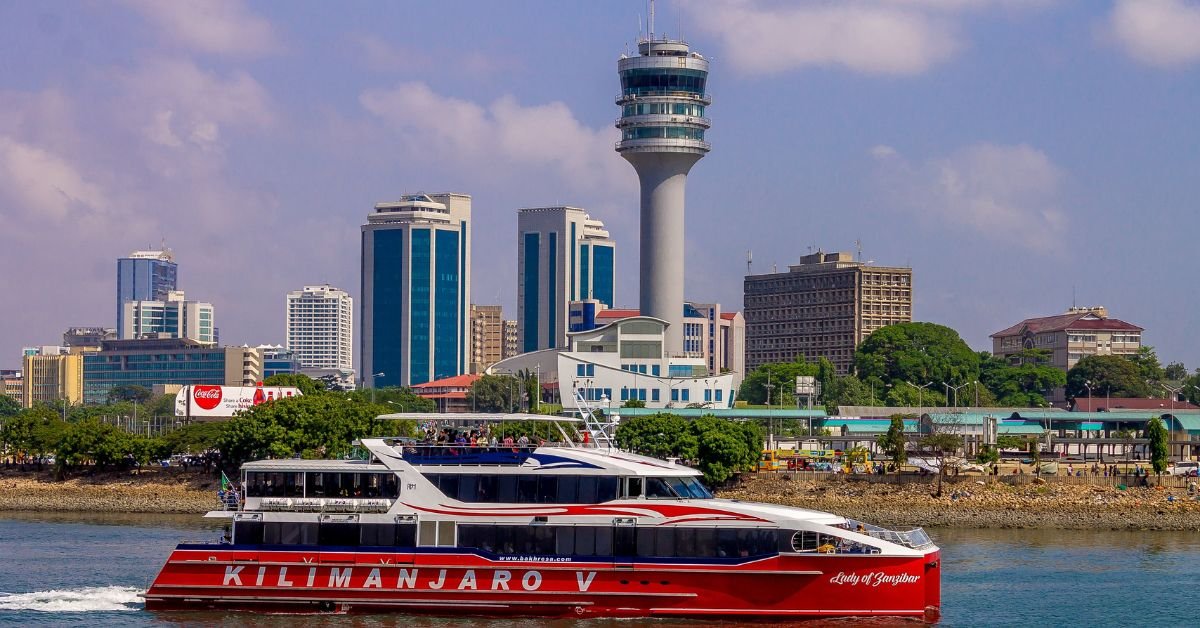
[(806, 385), (223, 401)]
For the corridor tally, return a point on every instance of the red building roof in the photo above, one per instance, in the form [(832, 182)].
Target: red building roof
[(728, 315), (458, 381), (1067, 322), (1116, 404), (620, 313)]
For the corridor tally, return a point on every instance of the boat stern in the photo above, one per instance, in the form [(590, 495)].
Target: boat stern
[(933, 586)]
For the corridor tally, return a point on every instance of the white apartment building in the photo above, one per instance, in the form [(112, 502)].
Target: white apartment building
[(174, 318), (320, 327)]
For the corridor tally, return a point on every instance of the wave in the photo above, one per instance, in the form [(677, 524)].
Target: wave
[(89, 599)]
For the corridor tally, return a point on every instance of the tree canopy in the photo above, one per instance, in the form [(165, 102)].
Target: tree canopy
[(306, 384), (495, 393), (781, 377), (1156, 433), (1110, 375), (917, 353), (1023, 385), (717, 447)]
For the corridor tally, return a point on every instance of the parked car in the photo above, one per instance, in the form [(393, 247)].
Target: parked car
[(1187, 468)]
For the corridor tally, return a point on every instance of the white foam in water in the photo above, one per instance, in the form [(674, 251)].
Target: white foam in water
[(89, 599)]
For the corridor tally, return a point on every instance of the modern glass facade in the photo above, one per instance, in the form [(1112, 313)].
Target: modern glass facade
[(585, 263), (419, 315), (446, 307), (104, 371), (552, 290), (530, 329), (387, 341), (604, 274), (662, 132), (651, 81), (143, 279)]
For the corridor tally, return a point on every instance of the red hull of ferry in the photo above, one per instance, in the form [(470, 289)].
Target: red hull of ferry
[(810, 586)]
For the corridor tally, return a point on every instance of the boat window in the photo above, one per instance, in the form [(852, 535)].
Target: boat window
[(806, 541), (677, 485), (338, 533), (290, 533), (525, 489), (568, 490), (656, 488), (506, 486), (248, 532), (633, 488), (547, 489), (696, 489)]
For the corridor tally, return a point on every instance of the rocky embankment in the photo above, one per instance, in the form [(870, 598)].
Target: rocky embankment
[(979, 503), (111, 492)]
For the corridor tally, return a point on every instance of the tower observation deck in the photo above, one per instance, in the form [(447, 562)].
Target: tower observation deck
[(662, 127)]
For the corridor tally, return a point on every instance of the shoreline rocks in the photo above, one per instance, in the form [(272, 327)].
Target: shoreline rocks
[(965, 503)]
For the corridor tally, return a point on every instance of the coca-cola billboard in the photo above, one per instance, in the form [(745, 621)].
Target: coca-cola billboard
[(224, 401)]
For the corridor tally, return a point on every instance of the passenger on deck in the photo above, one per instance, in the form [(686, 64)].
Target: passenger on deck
[(523, 442)]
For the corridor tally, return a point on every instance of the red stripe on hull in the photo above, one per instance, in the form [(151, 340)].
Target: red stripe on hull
[(783, 586)]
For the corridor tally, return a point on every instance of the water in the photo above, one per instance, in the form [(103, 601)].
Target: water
[(86, 570)]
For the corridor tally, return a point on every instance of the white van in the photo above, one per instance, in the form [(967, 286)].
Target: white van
[(1185, 467)]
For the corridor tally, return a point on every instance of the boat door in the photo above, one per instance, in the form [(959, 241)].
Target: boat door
[(624, 542)]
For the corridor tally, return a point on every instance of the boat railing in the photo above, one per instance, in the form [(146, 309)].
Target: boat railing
[(915, 538), (503, 455)]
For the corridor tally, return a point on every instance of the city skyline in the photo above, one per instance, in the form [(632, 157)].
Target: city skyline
[(252, 141)]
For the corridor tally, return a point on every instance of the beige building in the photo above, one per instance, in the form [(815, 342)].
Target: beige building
[(487, 336), (1082, 331), (52, 377), (822, 307), (511, 339), (12, 386)]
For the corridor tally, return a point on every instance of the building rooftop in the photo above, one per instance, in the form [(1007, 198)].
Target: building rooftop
[(1103, 404), (1081, 320), (458, 381)]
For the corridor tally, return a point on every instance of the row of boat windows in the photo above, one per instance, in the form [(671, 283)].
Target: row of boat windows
[(321, 484), (562, 489), (657, 542)]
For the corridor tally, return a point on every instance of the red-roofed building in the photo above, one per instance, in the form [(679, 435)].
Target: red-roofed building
[(449, 393), (1069, 337)]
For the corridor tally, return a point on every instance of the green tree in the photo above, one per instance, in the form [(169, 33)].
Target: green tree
[(780, 377), (893, 443), (494, 393), (34, 433), (92, 441), (8, 407), (1148, 366), (306, 384), (130, 392), (942, 447), (193, 439), (1109, 374), (717, 447), (1023, 384), (906, 395), (1156, 433), (917, 353), (1191, 388), (395, 398), (1175, 372), (315, 426), (848, 391), (633, 403)]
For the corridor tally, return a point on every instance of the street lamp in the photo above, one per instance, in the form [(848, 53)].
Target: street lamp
[(1174, 392), (955, 389), (1088, 385), (373, 376), (920, 392)]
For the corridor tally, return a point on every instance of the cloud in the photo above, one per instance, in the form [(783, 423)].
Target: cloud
[(382, 56), (1162, 33), (502, 137), (879, 37), (1004, 193), (224, 27), (175, 102), (45, 185)]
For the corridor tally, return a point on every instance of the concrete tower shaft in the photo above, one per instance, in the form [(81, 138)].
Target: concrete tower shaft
[(662, 125)]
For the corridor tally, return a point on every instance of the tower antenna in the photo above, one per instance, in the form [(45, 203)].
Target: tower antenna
[(749, 261), (651, 20), (858, 247)]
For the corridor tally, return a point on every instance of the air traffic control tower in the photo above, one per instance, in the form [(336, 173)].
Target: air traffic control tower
[(662, 134)]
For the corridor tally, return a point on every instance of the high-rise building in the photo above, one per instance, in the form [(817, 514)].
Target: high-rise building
[(320, 327), (512, 345), (158, 361), (278, 360), (662, 125), (49, 377), (144, 276), (822, 307), (174, 317), (416, 290), (487, 336), (563, 255)]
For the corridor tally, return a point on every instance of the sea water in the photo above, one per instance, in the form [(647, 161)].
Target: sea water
[(88, 569)]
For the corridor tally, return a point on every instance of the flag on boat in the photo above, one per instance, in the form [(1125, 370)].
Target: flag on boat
[(225, 482)]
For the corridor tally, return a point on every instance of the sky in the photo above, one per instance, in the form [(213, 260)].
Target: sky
[(1019, 155)]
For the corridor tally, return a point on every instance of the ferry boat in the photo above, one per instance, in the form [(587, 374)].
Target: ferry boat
[(570, 529)]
